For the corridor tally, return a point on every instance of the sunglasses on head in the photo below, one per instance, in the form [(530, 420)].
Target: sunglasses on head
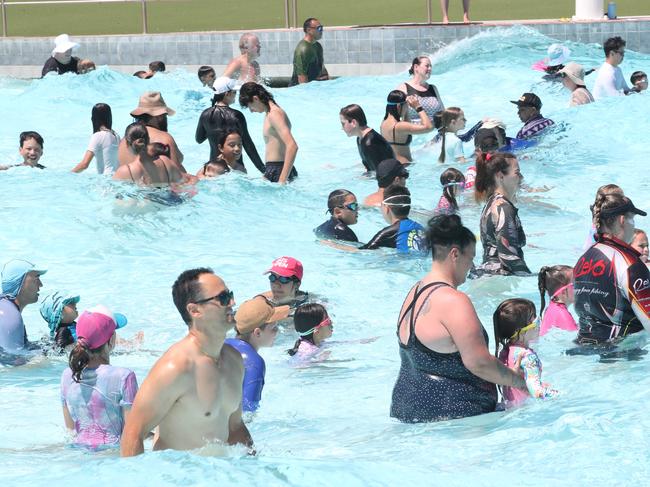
[(282, 279), (224, 298)]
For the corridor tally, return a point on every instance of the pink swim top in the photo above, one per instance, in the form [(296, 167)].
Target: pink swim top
[(531, 366), (558, 316), (540, 65)]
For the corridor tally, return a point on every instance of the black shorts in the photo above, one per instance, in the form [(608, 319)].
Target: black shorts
[(274, 169)]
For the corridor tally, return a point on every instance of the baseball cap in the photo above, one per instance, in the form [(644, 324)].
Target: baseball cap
[(223, 84), (388, 170), (626, 207), (286, 267), (13, 274), (529, 100), (96, 326), (256, 312)]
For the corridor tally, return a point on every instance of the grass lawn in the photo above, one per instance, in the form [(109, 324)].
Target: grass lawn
[(205, 15)]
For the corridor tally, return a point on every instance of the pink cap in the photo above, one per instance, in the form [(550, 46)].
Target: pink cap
[(286, 267), (96, 326)]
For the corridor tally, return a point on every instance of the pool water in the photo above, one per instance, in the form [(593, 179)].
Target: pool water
[(328, 424)]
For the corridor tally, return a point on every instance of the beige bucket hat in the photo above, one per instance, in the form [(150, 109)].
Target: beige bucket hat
[(152, 103)]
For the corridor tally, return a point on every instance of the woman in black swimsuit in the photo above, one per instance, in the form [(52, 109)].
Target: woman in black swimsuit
[(447, 370), (418, 85), (396, 128)]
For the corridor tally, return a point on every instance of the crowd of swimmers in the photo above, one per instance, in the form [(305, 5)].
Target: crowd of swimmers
[(198, 392)]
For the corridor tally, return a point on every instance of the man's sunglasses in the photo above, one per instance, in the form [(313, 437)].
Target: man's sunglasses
[(224, 298), (282, 279)]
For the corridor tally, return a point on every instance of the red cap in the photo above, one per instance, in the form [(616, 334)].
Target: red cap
[(286, 267)]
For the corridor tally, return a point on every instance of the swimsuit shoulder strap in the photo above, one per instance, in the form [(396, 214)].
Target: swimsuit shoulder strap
[(411, 307), (128, 166)]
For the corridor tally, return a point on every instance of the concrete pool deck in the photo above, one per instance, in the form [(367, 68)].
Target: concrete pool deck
[(349, 51)]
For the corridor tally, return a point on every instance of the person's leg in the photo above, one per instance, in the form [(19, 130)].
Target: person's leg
[(444, 6), (466, 11)]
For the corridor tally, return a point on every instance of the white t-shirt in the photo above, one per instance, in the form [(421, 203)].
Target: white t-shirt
[(103, 145), (453, 148), (609, 82)]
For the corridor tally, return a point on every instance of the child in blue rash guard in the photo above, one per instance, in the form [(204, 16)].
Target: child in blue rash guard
[(402, 234), (256, 325)]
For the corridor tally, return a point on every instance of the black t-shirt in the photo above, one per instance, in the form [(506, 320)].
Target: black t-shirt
[(336, 229), (54, 65), (218, 119), (373, 149)]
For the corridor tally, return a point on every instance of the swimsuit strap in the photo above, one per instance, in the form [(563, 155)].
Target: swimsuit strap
[(169, 179), (394, 138), (128, 166), (411, 306)]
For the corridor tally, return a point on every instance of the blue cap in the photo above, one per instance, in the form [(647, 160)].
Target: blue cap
[(52, 308), (13, 275)]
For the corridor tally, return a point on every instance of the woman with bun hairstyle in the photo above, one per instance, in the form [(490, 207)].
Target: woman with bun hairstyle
[(418, 86), (612, 284), (446, 368), (498, 179)]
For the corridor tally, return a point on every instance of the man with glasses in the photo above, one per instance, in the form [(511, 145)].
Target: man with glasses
[(194, 392), (342, 205), (308, 63), (610, 80)]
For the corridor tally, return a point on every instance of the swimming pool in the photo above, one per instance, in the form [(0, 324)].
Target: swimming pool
[(328, 424)]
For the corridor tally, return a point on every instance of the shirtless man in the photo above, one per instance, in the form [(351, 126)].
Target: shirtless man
[(153, 112), (281, 148), (194, 392), (245, 66)]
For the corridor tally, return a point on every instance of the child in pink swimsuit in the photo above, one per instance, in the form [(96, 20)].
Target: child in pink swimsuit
[(453, 183), (314, 326), (515, 327), (557, 281)]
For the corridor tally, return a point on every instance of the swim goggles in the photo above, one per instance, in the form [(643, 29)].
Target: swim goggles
[(282, 279), (460, 184), (388, 203), (319, 28), (531, 326), (351, 206), (559, 291), (326, 322), (224, 298)]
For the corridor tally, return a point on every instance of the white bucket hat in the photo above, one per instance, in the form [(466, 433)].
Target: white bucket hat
[(575, 72), (557, 54), (62, 43)]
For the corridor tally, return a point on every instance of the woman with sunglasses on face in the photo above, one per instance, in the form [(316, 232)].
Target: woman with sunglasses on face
[(285, 276), (343, 206), (314, 326), (515, 327)]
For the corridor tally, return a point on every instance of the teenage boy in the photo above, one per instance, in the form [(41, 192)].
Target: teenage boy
[(342, 205)]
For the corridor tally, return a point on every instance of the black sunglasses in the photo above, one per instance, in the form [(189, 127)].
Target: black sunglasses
[(282, 279), (224, 298)]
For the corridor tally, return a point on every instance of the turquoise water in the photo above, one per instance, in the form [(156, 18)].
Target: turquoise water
[(327, 424)]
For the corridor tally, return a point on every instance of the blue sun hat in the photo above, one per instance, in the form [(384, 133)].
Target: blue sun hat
[(13, 275), (557, 54), (52, 308)]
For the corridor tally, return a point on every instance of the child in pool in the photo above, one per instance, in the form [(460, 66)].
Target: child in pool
[(639, 81), (95, 395), (59, 310), (452, 120), (229, 158), (557, 281), (31, 150), (453, 182), (314, 327), (515, 327), (640, 243)]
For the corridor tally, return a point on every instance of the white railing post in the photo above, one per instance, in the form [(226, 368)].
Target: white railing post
[(144, 16), (4, 19), (429, 11)]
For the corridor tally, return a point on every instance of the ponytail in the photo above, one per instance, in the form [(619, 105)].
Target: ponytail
[(78, 360), (603, 203), (296, 346), (447, 179), (541, 285), (487, 167), (448, 115), (550, 279)]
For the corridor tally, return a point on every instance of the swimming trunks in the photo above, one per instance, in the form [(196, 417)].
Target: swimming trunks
[(254, 372), (612, 292), (428, 100), (403, 235), (373, 149), (434, 386), (274, 170), (408, 139), (335, 229)]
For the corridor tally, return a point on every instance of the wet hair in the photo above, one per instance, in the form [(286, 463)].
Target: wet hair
[(186, 289), (605, 190), (394, 100), (337, 198), (142, 74), (204, 71), (550, 279), (30, 134), (80, 356), (223, 135), (602, 204), (155, 121), (416, 62), (354, 112), (487, 140), (636, 76), (101, 116), (157, 66), (400, 200), (307, 23), (85, 65), (613, 44), (448, 116), (638, 231), (136, 131), (451, 175), (446, 231), (487, 167), (510, 317), (306, 317), (251, 89), (245, 40)]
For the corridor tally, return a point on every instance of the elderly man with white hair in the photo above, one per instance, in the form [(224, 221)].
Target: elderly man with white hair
[(245, 66), (62, 60)]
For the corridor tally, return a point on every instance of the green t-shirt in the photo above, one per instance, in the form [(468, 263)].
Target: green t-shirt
[(307, 60)]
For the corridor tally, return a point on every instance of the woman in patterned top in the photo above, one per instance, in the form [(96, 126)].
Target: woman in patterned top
[(498, 179)]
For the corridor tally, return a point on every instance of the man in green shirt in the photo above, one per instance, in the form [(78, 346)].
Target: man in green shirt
[(308, 64)]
